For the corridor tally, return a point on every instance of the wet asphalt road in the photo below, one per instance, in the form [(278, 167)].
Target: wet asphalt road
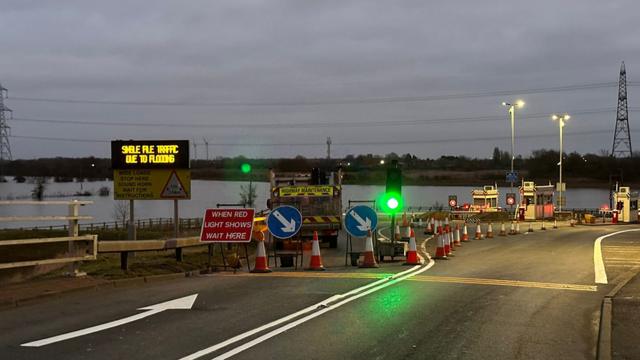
[(529, 296)]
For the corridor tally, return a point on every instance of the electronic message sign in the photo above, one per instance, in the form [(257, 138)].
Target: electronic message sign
[(150, 154), (151, 169)]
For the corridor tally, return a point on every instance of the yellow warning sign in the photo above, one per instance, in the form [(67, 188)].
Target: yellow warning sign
[(307, 190), (151, 184)]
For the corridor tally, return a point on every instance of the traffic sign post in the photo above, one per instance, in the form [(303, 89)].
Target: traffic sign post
[(284, 221), (453, 201), (511, 177), (511, 199), (151, 170), (359, 220)]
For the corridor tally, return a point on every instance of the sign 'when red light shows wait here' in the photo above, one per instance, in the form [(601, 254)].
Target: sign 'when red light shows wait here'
[(227, 225)]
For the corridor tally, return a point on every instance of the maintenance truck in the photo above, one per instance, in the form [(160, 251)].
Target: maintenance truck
[(318, 196)]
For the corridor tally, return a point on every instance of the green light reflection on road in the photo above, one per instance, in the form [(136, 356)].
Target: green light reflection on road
[(391, 301)]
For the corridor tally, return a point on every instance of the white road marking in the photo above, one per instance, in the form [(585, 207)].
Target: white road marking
[(324, 307), (291, 325), (598, 263), (183, 303), (308, 309)]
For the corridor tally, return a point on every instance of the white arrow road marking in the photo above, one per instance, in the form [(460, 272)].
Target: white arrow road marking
[(598, 263), (289, 226), (183, 303), (364, 224)]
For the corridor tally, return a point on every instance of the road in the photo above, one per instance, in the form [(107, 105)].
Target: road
[(529, 296)]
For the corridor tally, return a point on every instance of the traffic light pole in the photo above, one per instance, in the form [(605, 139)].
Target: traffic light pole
[(393, 235)]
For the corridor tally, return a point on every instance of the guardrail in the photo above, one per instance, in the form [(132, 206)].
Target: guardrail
[(124, 247), (73, 255), (151, 223), (90, 256)]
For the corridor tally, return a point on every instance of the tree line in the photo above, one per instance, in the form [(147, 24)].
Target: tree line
[(539, 165)]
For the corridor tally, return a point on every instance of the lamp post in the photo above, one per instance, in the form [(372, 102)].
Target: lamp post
[(512, 114), (561, 119)]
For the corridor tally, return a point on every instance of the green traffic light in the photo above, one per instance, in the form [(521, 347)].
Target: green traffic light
[(392, 203), (245, 168)]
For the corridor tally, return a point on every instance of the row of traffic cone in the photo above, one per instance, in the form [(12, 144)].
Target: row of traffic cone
[(315, 261), (447, 240)]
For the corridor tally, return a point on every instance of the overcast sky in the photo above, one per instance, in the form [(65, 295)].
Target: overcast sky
[(307, 70)]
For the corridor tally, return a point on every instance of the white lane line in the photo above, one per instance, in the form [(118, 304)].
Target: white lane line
[(322, 304), (598, 263), (291, 325)]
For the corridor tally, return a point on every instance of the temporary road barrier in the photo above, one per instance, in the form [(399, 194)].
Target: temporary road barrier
[(441, 253), (465, 234), (315, 263), (412, 253), (262, 265), (369, 260), (490, 231), (478, 233), (448, 241)]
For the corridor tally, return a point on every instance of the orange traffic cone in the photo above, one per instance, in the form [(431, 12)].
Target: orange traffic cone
[(571, 223), (517, 227), (397, 233), (478, 232), (316, 260), (555, 223), (441, 253), (542, 227), (512, 230), (448, 243), (465, 234), (456, 240), (407, 234), (503, 230), (412, 253), (490, 231), (530, 227), (262, 263), (369, 260)]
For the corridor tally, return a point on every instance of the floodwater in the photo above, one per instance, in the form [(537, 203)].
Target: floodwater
[(208, 193)]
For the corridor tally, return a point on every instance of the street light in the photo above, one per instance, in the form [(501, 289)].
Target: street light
[(512, 114), (382, 162), (561, 119)]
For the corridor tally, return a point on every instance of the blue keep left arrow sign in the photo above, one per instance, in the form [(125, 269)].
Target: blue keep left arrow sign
[(359, 220)]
